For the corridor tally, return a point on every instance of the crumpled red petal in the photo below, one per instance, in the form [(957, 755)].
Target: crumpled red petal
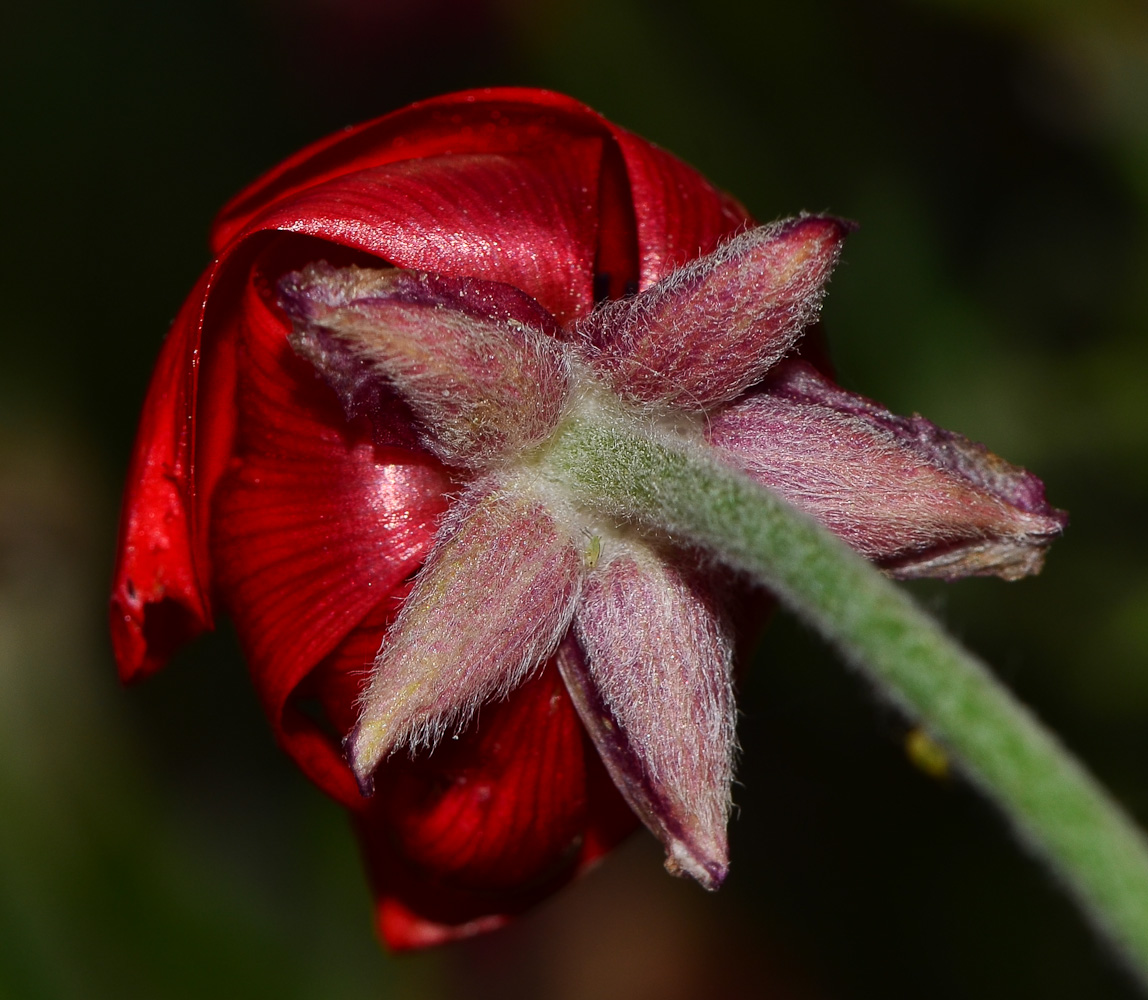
[(316, 521), (526, 220), (340, 677), (498, 120), (458, 841), (159, 590), (573, 198), (318, 714), (679, 214)]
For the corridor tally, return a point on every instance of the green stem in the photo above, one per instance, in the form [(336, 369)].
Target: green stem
[(1057, 808)]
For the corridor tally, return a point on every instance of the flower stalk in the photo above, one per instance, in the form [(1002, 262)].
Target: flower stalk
[(620, 468)]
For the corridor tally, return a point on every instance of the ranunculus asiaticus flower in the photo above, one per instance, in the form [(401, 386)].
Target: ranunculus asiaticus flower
[(344, 447)]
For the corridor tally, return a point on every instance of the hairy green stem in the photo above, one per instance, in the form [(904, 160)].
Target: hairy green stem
[(1057, 808)]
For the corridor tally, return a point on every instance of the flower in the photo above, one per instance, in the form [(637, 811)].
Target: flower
[(344, 445)]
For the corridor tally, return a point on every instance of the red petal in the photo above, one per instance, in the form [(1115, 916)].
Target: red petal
[(493, 120), (316, 716), (617, 269), (526, 220), (158, 593), (314, 524), (485, 826), (538, 218), (680, 215)]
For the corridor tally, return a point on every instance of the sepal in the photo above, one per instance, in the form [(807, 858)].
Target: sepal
[(713, 327), (916, 499), (487, 610), (650, 675), (476, 361)]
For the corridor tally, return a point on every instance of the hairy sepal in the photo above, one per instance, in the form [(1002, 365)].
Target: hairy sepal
[(713, 327), (476, 361), (919, 500), (650, 676), (488, 609)]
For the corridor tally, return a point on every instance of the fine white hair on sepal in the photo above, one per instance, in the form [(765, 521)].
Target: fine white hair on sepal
[(712, 327), (651, 677), (475, 361), (488, 609), (913, 498)]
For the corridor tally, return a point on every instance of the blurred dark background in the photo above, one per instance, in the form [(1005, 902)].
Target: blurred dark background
[(154, 844)]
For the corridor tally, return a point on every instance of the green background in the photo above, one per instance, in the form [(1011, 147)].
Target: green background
[(153, 842)]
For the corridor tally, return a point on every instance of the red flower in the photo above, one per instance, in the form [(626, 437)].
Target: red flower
[(457, 249), (248, 489)]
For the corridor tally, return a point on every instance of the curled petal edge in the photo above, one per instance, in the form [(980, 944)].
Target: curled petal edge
[(159, 596)]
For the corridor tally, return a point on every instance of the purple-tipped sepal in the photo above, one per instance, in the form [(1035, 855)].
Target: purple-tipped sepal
[(487, 610), (476, 361), (713, 328), (916, 499), (649, 673)]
